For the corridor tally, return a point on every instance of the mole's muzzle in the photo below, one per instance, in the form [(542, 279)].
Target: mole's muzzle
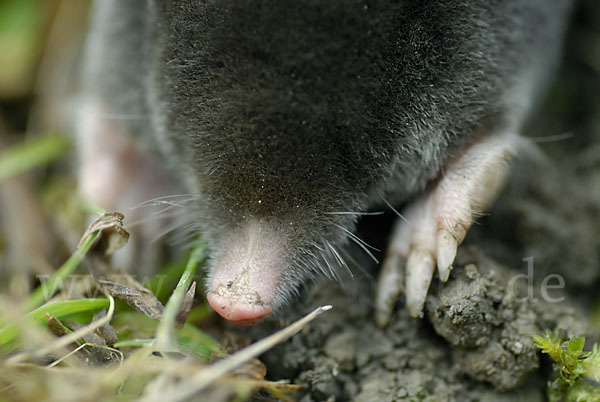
[(247, 274)]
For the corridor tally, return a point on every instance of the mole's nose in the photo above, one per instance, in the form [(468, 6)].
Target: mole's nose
[(239, 312)]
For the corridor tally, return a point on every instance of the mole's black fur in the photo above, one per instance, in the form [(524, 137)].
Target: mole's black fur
[(290, 110)]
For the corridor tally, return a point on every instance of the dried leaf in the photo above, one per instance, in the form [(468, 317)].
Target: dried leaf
[(55, 326), (186, 307), (126, 288), (111, 237)]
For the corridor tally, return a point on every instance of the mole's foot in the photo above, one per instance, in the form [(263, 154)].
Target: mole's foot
[(437, 221)]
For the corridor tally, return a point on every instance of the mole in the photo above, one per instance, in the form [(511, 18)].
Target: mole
[(280, 123)]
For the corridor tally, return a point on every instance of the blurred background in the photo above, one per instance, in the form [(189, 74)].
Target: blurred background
[(40, 43)]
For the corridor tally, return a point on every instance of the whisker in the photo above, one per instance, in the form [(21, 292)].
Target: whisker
[(352, 235), (318, 267), (320, 249), (313, 264), (332, 272), (176, 224), (186, 237), (313, 255), (360, 242), (348, 256), (168, 200), (168, 203), (354, 213), (305, 266), (551, 138), (315, 261), (167, 207), (172, 196), (191, 228), (396, 212), (340, 259), (335, 254), (155, 217)]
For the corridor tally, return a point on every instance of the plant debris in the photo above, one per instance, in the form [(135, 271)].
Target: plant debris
[(134, 294), (111, 233)]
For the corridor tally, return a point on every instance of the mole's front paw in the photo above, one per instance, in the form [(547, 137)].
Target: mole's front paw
[(437, 221)]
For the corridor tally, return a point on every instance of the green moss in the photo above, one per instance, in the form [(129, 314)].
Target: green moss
[(573, 366)]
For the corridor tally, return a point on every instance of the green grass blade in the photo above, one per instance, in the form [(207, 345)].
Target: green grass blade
[(166, 329), (28, 155), (190, 340), (47, 289), (58, 310)]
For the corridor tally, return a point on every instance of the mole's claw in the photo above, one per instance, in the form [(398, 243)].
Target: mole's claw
[(420, 266), (446, 252), (389, 286)]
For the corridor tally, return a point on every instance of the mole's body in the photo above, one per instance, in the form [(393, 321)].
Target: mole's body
[(286, 119)]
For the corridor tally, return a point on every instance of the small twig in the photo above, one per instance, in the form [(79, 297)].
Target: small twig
[(191, 386), (71, 353)]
